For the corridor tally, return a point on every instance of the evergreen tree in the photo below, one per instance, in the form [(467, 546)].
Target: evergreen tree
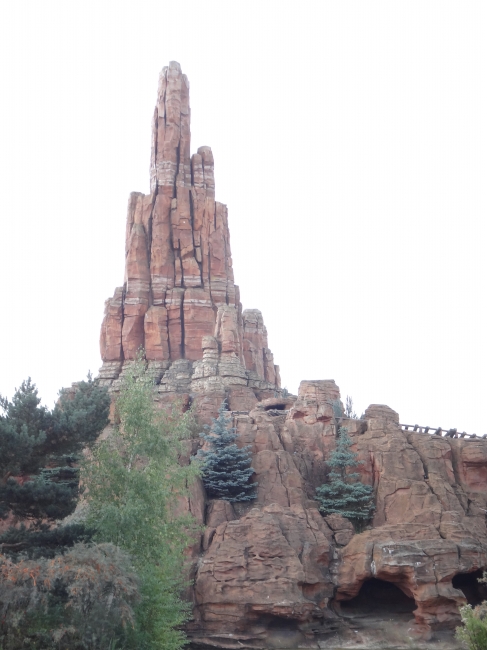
[(345, 494), (226, 468), (39, 449)]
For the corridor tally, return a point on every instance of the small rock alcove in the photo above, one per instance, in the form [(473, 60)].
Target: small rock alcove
[(379, 599), (281, 632), (277, 407), (474, 591)]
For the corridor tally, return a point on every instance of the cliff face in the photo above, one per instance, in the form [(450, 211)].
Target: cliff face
[(279, 573), (275, 573)]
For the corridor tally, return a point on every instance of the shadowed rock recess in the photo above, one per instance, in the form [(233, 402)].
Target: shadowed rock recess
[(275, 572)]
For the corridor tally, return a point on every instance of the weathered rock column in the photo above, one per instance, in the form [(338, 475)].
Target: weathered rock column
[(178, 270)]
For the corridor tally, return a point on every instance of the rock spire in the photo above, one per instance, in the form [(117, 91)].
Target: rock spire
[(179, 300)]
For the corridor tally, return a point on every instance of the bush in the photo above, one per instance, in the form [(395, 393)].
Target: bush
[(82, 599), (474, 630)]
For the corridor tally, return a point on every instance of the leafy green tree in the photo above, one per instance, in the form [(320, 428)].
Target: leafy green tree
[(133, 482), (39, 450), (226, 467), (345, 494)]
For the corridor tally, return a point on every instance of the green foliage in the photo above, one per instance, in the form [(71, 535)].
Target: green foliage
[(41, 447), (81, 599), (133, 481), (226, 467), (474, 630), (349, 410), (42, 574), (345, 494), (42, 540), (337, 409)]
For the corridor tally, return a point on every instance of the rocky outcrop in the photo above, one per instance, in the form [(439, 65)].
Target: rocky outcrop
[(275, 572), (179, 288), (282, 574)]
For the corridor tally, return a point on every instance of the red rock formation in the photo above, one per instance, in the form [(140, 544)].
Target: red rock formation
[(275, 573), (178, 271), (283, 568)]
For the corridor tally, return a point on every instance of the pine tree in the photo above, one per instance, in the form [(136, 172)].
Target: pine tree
[(345, 494), (39, 449), (226, 467)]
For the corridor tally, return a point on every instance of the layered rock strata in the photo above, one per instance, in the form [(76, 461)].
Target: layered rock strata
[(179, 300), (279, 573), (275, 573)]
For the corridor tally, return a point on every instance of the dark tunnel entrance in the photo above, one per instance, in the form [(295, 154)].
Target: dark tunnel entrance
[(475, 592), (381, 599)]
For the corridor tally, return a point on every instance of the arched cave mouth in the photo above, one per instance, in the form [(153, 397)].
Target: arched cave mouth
[(474, 591), (379, 599)]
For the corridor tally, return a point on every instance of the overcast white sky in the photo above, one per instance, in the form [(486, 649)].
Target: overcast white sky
[(350, 147)]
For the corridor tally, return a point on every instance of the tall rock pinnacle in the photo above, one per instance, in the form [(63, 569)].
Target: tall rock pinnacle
[(179, 287)]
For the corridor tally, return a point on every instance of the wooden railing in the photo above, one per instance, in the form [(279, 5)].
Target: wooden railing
[(444, 433), (449, 433)]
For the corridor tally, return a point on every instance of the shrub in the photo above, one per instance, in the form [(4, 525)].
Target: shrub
[(474, 630), (81, 599)]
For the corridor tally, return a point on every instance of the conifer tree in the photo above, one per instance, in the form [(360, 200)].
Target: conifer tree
[(345, 494), (226, 468), (42, 447)]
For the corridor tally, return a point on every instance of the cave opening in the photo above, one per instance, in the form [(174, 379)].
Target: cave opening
[(276, 407), (474, 591), (381, 599)]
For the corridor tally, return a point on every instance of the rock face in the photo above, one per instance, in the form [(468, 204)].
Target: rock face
[(281, 575), (275, 573), (179, 289)]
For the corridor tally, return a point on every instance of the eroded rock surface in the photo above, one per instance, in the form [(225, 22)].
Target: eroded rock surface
[(179, 299), (280, 560), (275, 572)]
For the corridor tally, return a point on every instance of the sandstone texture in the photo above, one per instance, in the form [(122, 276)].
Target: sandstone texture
[(280, 572), (275, 573), (179, 301)]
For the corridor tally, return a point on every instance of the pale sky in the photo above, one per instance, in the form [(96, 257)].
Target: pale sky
[(350, 146)]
